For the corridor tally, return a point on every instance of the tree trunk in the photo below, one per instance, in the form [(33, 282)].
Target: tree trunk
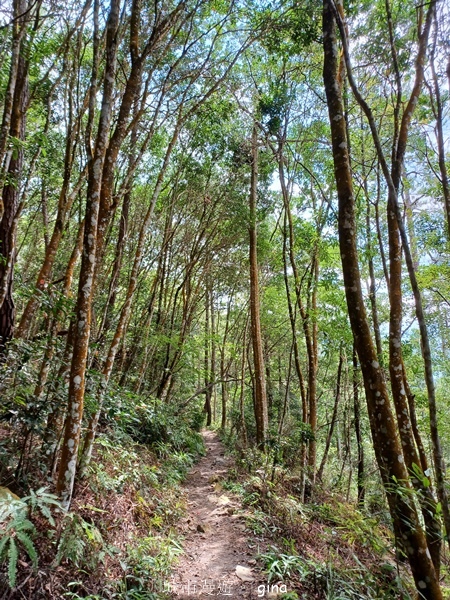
[(333, 417), (51, 345), (436, 104), (289, 227), (42, 281), (11, 97), (207, 376), (359, 440), (242, 423), (398, 156), (261, 414), (387, 448), (11, 189), (223, 368), (126, 309), (372, 289), (69, 455)]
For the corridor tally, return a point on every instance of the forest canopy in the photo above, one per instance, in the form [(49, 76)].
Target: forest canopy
[(234, 215)]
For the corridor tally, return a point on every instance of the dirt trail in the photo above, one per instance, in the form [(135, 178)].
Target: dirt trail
[(216, 539)]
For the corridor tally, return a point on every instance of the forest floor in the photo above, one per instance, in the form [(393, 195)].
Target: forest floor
[(219, 552)]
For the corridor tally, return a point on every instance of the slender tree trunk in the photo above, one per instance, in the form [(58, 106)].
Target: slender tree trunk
[(387, 449), (213, 354), (285, 399), (310, 328), (397, 378), (261, 414), (372, 290), (223, 369), (436, 103), (161, 27), (68, 463), (378, 226), (410, 222), (337, 398), (289, 227), (398, 156), (207, 407), (242, 423), (43, 277), (13, 117), (126, 309), (361, 486), (51, 345), (11, 97), (55, 421), (414, 424)]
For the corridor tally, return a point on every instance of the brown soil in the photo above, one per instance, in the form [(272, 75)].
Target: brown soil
[(216, 538)]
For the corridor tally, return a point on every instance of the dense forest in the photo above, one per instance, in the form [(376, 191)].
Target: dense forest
[(231, 215)]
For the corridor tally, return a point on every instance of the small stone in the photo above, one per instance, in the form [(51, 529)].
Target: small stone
[(244, 573)]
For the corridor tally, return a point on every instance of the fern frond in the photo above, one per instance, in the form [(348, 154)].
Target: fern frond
[(3, 542), (23, 525), (13, 555), (47, 514), (29, 546), (33, 499)]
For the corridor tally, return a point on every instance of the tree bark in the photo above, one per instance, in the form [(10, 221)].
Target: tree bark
[(10, 209), (337, 398), (398, 157), (126, 308), (68, 463), (359, 440), (223, 368), (387, 448), (261, 414), (308, 393), (436, 104), (11, 97), (42, 281), (208, 390)]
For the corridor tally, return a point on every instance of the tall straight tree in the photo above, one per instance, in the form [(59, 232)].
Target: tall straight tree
[(69, 454), (11, 164), (398, 241), (388, 451), (260, 394)]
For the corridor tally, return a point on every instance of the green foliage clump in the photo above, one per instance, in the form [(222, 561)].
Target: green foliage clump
[(80, 543), (17, 530), (156, 424), (333, 582), (149, 563), (281, 566)]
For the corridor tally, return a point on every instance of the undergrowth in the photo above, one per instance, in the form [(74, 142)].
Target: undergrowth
[(119, 539), (325, 549)]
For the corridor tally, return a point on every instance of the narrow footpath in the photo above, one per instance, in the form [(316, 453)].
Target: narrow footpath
[(219, 550)]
